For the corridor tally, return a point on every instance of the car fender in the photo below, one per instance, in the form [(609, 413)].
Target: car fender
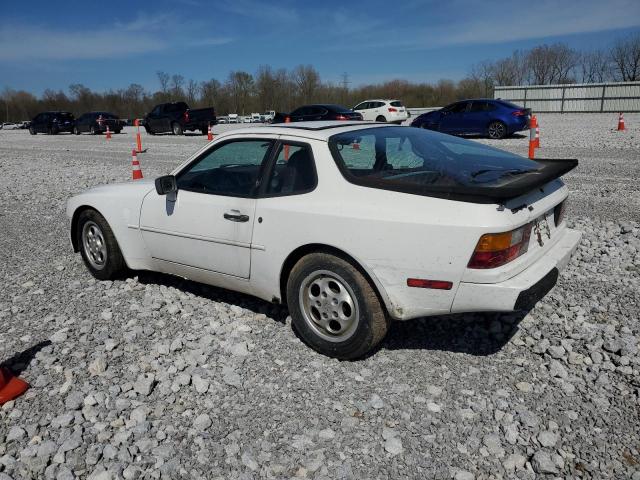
[(120, 205)]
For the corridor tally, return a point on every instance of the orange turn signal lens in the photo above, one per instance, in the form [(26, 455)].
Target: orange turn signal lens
[(493, 242), (495, 249)]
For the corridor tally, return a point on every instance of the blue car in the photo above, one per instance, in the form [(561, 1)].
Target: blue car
[(493, 118)]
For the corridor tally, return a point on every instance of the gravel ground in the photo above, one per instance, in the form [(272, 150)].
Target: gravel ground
[(155, 377)]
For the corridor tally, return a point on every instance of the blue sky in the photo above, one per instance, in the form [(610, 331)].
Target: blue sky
[(110, 44)]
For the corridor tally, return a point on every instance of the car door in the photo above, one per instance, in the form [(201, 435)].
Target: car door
[(208, 223), (452, 118), (363, 109), (476, 118), (40, 123), (154, 119), (298, 114)]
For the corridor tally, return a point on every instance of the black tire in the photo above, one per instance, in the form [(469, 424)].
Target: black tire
[(176, 128), (497, 130), (204, 130), (149, 131), (114, 265), (32, 131), (76, 130), (368, 327), (93, 130), (380, 118)]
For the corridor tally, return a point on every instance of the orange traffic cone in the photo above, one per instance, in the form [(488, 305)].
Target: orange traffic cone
[(135, 166), (532, 138), (11, 387), (209, 134), (536, 127), (138, 138), (621, 122), (108, 133)]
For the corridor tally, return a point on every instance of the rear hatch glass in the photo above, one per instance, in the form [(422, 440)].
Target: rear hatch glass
[(423, 162)]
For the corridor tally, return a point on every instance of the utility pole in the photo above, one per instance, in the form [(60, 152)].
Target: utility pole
[(345, 85)]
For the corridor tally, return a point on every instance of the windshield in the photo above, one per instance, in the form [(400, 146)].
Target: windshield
[(400, 157)]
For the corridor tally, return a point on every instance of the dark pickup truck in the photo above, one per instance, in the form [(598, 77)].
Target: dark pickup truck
[(177, 117)]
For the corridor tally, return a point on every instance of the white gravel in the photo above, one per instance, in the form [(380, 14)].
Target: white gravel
[(154, 377)]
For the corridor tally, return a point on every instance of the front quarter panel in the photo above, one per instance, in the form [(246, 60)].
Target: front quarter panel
[(119, 204)]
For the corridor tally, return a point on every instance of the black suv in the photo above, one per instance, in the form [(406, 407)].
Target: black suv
[(52, 123), (97, 122)]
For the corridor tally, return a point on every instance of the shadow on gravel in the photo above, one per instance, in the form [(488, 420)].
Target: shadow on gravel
[(472, 333), (256, 305), (20, 361)]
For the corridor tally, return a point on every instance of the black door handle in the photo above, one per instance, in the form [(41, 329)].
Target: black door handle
[(236, 217)]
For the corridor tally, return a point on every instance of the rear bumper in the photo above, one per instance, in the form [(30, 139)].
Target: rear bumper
[(522, 291)]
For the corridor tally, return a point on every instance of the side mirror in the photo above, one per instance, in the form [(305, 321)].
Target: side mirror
[(166, 184)]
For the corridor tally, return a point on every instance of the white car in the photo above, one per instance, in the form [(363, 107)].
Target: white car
[(381, 110), (351, 225), (233, 118)]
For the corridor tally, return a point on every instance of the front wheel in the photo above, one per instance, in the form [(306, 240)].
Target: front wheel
[(98, 246), (76, 131), (32, 131), (176, 128), (334, 308), (497, 130), (93, 130)]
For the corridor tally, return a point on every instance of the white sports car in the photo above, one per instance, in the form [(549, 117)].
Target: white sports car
[(351, 225)]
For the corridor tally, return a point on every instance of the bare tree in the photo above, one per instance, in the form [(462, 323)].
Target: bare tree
[(163, 78), (192, 91), (240, 85), (595, 67), (307, 80), (483, 75), (210, 92), (177, 81), (540, 65), (563, 61), (626, 58)]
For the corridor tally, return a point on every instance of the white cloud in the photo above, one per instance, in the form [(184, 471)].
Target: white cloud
[(497, 22), (143, 35)]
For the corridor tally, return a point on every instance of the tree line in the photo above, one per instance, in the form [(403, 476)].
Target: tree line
[(283, 90)]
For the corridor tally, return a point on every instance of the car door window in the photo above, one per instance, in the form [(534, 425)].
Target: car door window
[(479, 107), (156, 111), (293, 172), (362, 106), (232, 169), (459, 107)]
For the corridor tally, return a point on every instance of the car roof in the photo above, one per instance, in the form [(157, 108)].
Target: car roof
[(321, 130), (380, 100)]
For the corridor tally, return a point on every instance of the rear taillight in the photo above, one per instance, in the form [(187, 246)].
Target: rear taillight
[(341, 117), (558, 213), (518, 113), (391, 109), (496, 249), (186, 116)]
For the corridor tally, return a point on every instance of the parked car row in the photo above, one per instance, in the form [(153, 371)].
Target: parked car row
[(15, 126), (494, 118)]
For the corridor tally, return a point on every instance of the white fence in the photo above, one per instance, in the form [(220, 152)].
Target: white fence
[(579, 97)]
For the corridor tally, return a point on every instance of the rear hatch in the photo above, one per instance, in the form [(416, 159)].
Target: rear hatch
[(399, 108)]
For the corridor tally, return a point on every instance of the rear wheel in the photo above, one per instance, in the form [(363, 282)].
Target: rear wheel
[(334, 308), (98, 246), (76, 130), (497, 130), (176, 128), (32, 131), (149, 131), (93, 130), (380, 118)]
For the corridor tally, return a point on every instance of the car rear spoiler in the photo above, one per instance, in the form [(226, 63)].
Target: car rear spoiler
[(550, 170)]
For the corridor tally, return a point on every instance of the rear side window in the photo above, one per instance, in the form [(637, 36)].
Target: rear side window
[(294, 171), (397, 104), (481, 107), (414, 160)]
